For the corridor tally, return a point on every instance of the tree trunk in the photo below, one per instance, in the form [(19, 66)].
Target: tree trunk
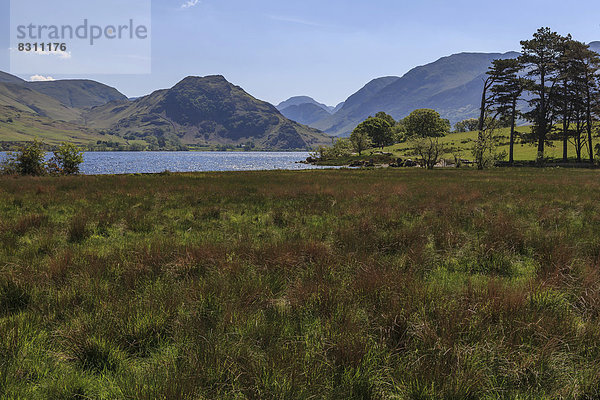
[(541, 143), (566, 121), (565, 140), (578, 145), (486, 86), (542, 123), (589, 125), (511, 156)]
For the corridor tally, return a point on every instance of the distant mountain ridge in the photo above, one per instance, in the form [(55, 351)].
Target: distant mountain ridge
[(299, 100), (78, 93), (451, 85), (306, 113), (210, 110), (306, 110), (74, 93), (206, 110)]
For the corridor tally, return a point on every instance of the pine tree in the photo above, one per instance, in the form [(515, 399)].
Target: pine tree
[(540, 59), (507, 90)]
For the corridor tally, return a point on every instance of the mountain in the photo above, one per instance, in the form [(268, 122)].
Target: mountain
[(451, 85), (306, 113), (342, 118), (74, 93), (25, 99), (78, 93), (8, 78), (205, 110), (299, 100)]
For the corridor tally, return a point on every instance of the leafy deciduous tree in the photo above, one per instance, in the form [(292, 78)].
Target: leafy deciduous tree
[(379, 130), (360, 141), (424, 127)]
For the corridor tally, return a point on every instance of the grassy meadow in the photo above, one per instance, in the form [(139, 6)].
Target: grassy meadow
[(368, 284), (464, 141)]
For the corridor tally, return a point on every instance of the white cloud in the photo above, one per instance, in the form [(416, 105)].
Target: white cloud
[(190, 3), (41, 78)]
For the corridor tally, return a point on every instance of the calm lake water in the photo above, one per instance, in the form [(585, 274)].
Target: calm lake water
[(99, 163)]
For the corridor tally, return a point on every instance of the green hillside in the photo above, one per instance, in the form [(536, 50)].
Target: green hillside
[(25, 99), (78, 93), (17, 125)]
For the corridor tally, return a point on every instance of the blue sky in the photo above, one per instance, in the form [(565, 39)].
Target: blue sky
[(327, 49)]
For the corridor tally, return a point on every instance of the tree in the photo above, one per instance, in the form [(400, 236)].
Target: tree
[(424, 127), (540, 59), (67, 159), (506, 90), (467, 125), (360, 141), (568, 94), (386, 117), (425, 123), (399, 132), (429, 149), (591, 61), (576, 95), (483, 149), (378, 130)]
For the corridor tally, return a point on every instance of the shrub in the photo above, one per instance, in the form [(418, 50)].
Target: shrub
[(341, 148), (67, 159), (28, 160)]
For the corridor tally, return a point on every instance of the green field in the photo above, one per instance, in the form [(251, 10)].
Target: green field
[(465, 141), (369, 284)]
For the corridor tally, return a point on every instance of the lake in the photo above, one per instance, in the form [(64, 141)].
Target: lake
[(101, 163)]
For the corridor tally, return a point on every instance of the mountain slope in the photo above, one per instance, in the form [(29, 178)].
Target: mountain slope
[(78, 93), (338, 107), (8, 78), (343, 119), (306, 113), (18, 125), (22, 98), (205, 110), (451, 85)]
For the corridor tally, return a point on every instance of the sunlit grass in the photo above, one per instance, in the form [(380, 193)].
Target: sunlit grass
[(464, 141)]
